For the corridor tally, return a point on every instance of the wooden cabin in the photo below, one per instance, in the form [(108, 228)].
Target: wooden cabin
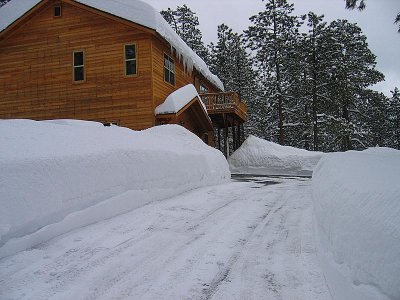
[(103, 61)]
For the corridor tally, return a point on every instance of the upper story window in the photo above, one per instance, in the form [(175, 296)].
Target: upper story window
[(203, 89), (169, 69), (130, 60), (79, 66), (57, 11)]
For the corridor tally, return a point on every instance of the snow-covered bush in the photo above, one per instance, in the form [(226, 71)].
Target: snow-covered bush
[(258, 156), (63, 174), (357, 223)]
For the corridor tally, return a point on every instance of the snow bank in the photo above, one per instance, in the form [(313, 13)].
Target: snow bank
[(136, 11), (258, 156), (59, 175), (357, 223), (178, 100)]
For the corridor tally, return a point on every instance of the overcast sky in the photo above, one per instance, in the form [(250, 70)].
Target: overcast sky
[(376, 22)]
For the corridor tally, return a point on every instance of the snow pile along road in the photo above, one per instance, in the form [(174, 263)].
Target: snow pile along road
[(258, 156), (357, 224), (59, 175)]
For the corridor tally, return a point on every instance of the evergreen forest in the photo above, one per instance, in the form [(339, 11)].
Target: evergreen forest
[(307, 82)]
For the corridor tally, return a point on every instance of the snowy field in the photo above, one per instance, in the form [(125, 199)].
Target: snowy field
[(94, 212), (258, 156), (250, 238)]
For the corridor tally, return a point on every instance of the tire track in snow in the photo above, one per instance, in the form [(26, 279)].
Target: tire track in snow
[(257, 227)]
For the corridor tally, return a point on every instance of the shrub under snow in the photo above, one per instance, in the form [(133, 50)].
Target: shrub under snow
[(357, 223), (59, 175), (258, 156)]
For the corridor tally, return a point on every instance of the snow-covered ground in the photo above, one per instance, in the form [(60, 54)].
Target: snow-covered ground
[(258, 156), (59, 175), (94, 212), (250, 238), (357, 223)]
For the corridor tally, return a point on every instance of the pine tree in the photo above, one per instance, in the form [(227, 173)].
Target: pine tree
[(317, 60), (170, 16), (273, 36), (230, 61), (185, 23), (373, 122), (394, 119), (354, 71)]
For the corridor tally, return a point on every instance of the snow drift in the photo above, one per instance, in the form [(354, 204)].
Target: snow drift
[(59, 175), (357, 223), (258, 156)]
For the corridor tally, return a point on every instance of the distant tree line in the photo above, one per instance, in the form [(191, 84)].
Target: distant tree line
[(305, 89)]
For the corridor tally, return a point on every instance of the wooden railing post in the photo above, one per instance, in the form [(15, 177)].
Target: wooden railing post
[(234, 135)]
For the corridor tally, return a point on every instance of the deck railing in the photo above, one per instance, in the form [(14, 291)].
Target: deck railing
[(225, 102)]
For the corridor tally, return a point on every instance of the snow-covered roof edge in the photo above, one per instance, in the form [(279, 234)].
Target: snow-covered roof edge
[(178, 100), (135, 11)]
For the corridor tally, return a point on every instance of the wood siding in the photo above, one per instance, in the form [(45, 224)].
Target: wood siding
[(162, 89), (36, 70), (36, 63)]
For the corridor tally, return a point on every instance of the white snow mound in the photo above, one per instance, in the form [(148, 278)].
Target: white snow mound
[(59, 175), (258, 156), (357, 223)]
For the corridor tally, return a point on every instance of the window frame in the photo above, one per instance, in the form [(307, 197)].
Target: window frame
[(78, 66), (54, 10), (169, 70), (132, 59)]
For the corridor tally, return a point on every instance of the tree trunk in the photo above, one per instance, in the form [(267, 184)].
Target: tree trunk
[(281, 138)]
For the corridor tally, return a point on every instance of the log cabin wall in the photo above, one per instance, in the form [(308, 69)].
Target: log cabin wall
[(161, 88), (36, 63)]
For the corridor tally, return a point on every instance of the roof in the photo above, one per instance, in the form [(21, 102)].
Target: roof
[(135, 11), (178, 100), (183, 100)]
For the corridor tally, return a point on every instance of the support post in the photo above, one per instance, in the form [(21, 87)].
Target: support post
[(234, 135), (239, 135), (219, 139), (226, 147), (242, 129)]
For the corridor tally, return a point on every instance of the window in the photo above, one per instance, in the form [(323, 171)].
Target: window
[(57, 11), (169, 69), (130, 60), (79, 67), (203, 89)]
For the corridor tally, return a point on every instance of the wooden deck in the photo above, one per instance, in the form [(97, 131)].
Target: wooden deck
[(224, 104), (228, 114)]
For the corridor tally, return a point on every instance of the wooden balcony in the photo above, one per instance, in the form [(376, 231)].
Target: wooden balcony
[(228, 104)]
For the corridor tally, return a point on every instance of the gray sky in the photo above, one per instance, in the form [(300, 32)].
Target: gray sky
[(376, 22)]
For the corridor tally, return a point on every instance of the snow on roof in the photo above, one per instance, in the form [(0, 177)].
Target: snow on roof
[(178, 100), (135, 11)]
